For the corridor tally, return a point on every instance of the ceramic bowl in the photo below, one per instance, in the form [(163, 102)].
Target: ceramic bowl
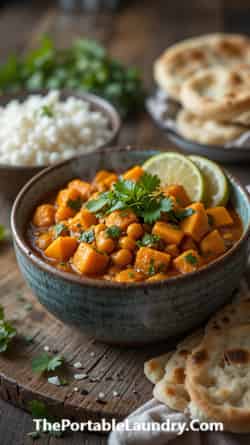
[(13, 178), (131, 313)]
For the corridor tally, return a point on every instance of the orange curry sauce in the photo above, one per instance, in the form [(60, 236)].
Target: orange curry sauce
[(119, 245)]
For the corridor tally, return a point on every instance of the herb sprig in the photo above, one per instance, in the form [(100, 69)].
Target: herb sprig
[(7, 332), (45, 362), (143, 197), (84, 66)]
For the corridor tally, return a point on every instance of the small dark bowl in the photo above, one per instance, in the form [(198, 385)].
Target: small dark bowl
[(13, 178), (127, 313)]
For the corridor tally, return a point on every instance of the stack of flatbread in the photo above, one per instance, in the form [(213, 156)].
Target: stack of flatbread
[(208, 375), (210, 77)]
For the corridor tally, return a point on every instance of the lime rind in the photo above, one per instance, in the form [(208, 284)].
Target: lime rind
[(217, 189), (174, 168)]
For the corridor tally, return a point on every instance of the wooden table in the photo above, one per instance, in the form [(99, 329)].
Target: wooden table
[(137, 34)]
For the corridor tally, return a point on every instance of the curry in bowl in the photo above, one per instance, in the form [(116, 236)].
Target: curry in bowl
[(130, 228)]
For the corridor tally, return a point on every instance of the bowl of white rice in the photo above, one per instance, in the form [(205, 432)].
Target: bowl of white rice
[(43, 128)]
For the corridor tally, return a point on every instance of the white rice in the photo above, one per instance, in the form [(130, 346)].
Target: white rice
[(43, 130)]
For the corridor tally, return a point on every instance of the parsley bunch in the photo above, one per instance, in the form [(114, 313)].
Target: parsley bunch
[(143, 197), (83, 66)]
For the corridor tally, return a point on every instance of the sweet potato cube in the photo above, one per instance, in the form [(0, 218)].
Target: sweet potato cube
[(67, 194), (88, 261), (82, 220), (219, 216), (63, 213), (188, 261), (121, 218), (44, 216), (62, 248), (82, 187), (129, 275), (196, 225), (170, 233), (151, 261), (101, 176), (134, 173), (213, 244), (179, 193)]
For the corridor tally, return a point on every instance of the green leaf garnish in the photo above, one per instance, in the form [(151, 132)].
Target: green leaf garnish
[(45, 362), (84, 66), (113, 232), (87, 237), (143, 197), (47, 111), (149, 240), (39, 410), (59, 229), (176, 216), (191, 259), (75, 204), (7, 332), (151, 269)]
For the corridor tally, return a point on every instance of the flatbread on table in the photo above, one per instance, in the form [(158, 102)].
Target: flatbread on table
[(208, 132), (170, 390), (154, 369), (185, 58), (218, 93), (218, 376)]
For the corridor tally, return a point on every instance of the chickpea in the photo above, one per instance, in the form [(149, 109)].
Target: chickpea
[(127, 243), (122, 257), (105, 244), (135, 231), (99, 228)]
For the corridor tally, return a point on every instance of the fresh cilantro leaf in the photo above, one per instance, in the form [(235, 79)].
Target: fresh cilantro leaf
[(151, 269), (87, 237), (7, 332), (143, 197), (113, 232), (59, 229), (191, 259), (83, 66), (39, 410), (45, 362), (176, 216), (47, 111), (149, 240), (75, 204), (96, 205)]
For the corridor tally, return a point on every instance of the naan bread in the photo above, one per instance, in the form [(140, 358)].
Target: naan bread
[(218, 376), (171, 390), (207, 132), (230, 315), (154, 369), (183, 59), (218, 93)]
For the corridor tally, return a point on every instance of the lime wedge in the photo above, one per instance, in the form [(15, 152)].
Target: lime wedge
[(216, 184), (174, 168)]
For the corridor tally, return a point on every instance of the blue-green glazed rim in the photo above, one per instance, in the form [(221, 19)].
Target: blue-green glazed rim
[(25, 248)]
